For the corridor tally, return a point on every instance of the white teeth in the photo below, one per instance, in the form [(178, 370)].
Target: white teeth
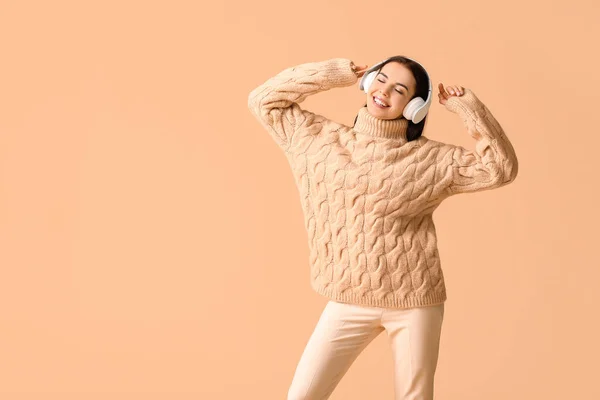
[(379, 102)]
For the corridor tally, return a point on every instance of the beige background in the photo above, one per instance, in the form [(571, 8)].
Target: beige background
[(152, 241)]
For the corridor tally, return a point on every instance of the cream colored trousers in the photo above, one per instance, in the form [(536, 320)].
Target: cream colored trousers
[(344, 330)]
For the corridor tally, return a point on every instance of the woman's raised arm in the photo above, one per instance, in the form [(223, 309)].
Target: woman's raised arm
[(493, 163), (275, 102)]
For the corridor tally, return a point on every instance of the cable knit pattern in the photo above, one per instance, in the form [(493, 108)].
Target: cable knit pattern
[(368, 194)]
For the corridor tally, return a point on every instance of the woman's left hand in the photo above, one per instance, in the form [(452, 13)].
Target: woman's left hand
[(445, 93)]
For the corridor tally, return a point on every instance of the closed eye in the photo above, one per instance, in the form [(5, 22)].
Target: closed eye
[(399, 91)]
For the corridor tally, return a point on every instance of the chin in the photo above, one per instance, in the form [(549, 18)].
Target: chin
[(381, 114)]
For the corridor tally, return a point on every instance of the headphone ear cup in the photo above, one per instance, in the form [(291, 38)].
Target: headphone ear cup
[(420, 114), (411, 111), (367, 80)]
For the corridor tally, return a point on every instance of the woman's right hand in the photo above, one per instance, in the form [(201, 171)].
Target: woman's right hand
[(359, 70)]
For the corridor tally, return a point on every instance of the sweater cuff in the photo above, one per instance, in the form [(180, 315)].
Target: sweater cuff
[(467, 101), (338, 72)]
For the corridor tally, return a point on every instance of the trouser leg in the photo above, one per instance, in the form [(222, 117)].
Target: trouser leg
[(414, 335), (341, 334)]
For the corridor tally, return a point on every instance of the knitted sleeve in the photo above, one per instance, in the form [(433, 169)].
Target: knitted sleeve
[(493, 163), (275, 103)]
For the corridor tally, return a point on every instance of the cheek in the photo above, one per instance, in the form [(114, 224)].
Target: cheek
[(400, 102)]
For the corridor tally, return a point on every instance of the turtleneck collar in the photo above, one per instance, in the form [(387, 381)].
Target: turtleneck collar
[(384, 128)]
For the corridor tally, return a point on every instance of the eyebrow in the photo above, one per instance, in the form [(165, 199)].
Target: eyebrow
[(397, 83)]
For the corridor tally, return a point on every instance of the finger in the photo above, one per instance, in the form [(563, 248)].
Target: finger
[(442, 91)]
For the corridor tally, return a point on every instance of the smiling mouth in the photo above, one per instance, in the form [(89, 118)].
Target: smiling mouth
[(379, 103)]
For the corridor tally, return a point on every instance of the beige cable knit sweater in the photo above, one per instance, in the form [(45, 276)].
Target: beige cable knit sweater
[(368, 194)]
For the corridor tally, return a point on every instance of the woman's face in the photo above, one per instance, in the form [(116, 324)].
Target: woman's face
[(393, 86)]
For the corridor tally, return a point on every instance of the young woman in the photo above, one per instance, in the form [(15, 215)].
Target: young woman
[(368, 192)]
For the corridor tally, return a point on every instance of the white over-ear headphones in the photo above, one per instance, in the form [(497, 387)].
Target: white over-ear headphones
[(417, 108)]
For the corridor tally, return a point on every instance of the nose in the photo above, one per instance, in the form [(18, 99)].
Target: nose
[(384, 89)]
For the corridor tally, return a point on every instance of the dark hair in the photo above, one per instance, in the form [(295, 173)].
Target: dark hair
[(413, 131)]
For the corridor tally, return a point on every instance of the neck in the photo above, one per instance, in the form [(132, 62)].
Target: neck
[(384, 128)]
